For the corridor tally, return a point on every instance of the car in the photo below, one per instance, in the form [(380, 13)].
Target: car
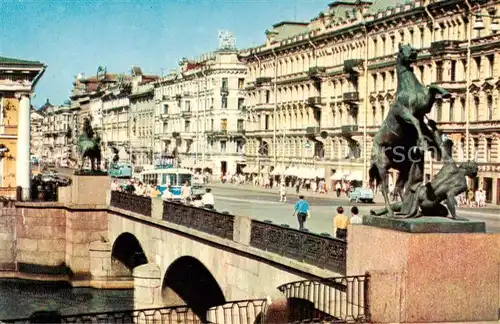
[(361, 195)]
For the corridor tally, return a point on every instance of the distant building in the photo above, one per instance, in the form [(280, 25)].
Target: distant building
[(200, 113), (18, 79), (36, 133)]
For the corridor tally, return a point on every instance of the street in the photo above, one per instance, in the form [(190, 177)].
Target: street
[(266, 206)]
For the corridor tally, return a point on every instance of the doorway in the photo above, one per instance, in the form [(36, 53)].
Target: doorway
[(223, 167), (488, 186)]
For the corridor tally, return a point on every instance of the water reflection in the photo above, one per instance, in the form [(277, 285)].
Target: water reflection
[(20, 298)]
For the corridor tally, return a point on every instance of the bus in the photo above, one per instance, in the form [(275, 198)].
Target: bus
[(120, 170), (173, 177)]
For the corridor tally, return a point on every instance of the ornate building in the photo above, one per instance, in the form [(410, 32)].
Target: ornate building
[(317, 92), (18, 79), (36, 134), (200, 113)]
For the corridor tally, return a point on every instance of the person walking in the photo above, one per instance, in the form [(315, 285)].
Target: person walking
[(185, 192), (338, 189), (355, 218), (282, 192), (340, 223), (302, 211)]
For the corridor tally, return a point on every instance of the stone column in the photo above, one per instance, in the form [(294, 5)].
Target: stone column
[(147, 286), (23, 171)]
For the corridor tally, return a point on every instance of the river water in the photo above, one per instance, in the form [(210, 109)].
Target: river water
[(20, 298)]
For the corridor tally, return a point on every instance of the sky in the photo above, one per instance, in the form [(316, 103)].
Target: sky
[(74, 36)]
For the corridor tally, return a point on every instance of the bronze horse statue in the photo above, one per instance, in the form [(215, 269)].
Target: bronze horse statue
[(89, 147), (404, 137)]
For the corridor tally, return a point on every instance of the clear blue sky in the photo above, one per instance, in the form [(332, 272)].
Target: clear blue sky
[(77, 36)]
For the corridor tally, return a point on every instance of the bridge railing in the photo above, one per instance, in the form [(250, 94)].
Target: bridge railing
[(338, 299), (204, 220), (321, 251), (132, 203), (235, 312)]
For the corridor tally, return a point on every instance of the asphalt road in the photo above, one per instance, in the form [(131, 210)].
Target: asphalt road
[(266, 206)]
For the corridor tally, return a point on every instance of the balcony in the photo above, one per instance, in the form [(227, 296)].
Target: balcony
[(262, 80), (316, 72), (314, 101), (347, 130), (353, 66), (445, 45), (224, 91), (178, 97), (186, 114), (313, 130), (350, 96), (264, 106), (220, 133), (164, 116), (238, 133)]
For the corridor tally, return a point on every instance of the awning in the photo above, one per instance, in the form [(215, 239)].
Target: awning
[(264, 170), (248, 169), (292, 171), (339, 175), (305, 173), (355, 176), (206, 165), (320, 173), (277, 171)]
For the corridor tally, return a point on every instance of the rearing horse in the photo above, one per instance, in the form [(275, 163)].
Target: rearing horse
[(404, 130)]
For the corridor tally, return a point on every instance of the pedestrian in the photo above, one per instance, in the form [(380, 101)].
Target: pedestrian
[(167, 194), (185, 192), (355, 218), (338, 189), (208, 199), (340, 223), (282, 192), (297, 186), (302, 211)]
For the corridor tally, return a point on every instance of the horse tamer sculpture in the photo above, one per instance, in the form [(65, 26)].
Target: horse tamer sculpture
[(89, 147), (404, 136)]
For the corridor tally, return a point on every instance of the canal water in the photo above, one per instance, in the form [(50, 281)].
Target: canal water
[(20, 298)]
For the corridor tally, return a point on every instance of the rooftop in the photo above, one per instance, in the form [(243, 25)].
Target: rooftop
[(15, 61)]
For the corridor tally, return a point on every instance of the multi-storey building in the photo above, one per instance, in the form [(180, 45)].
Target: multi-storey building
[(18, 79), (200, 113), (36, 133), (141, 116), (318, 91), (59, 123)]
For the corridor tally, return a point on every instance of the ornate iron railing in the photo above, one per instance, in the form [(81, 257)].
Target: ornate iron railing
[(204, 220), (334, 300), (320, 251), (131, 202), (237, 312)]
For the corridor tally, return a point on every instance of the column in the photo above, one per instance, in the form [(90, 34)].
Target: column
[(23, 171)]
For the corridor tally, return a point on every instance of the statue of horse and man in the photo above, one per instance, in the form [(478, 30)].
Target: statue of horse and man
[(401, 143), (89, 146)]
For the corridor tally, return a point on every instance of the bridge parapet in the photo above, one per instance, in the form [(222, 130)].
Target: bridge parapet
[(317, 250)]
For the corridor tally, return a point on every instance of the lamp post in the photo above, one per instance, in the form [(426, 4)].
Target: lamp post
[(365, 122)]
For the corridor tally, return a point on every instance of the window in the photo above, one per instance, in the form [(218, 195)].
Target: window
[(241, 101), (239, 125), (223, 124), (489, 101), (187, 125), (223, 145), (239, 146), (165, 127), (266, 122), (489, 145), (268, 96), (476, 148), (188, 106), (383, 82), (375, 47), (422, 37), (453, 70), (374, 115), (382, 113), (477, 60), (476, 108), (212, 103), (412, 36), (439, 110), (224, 83), (165, 109), (241, 83), (462, 105), (439, 71), (224, 102), (212, 124), (491, 63), (451, 115)]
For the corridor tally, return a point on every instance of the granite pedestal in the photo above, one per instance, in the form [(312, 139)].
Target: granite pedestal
[(427, 270)]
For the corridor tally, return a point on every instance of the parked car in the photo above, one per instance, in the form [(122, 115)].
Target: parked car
[(361, 195)]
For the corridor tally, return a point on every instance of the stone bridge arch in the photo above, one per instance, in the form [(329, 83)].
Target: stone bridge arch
[(187, 281), (126, 254)]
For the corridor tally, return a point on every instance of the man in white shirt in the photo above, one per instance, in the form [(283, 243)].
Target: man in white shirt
[(185, 192), (167, 195), (208, 199), (355, 218)]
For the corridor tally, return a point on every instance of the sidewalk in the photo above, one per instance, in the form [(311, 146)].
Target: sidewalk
[(489, 209)]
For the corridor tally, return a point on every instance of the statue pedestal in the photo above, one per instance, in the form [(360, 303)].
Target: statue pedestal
[(427, 277), (86, 190)]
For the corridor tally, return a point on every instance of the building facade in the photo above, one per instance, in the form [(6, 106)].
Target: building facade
[(317, 92), (36, 133), (59, 136), (18, 79), (200, 113)]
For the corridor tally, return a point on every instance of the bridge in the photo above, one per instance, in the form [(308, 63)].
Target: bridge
[(194, 265)]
